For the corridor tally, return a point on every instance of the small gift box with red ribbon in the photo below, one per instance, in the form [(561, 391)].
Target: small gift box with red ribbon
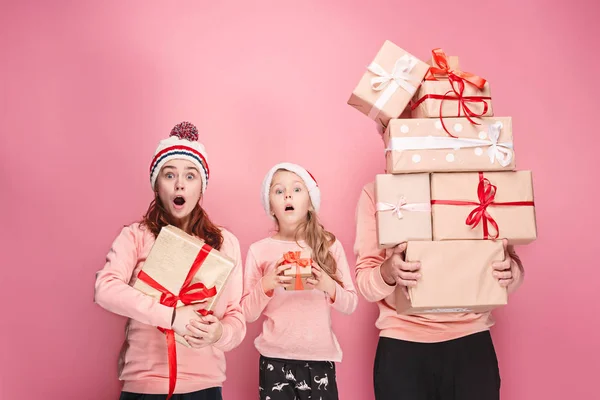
[(390, 82), (403, 208), (182, 270), (450, 92), (300, 263), (484, 205), (421, 145), (456, 277)]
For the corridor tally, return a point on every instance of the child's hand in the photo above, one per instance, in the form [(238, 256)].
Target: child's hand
[(275, 278), (203, 331), (322, 281), (503, 269), (185, 314)]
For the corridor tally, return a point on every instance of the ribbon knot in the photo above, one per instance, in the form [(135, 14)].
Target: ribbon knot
[(402, 205), (457, 93), (400, 74), (444, 68), (498, 151), (390, 82), (486, 194), (293, 257)]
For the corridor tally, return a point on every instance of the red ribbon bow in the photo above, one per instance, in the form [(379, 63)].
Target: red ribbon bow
[(456, 93), (188, 294), (443, 68), (293, 257), (486, 194)]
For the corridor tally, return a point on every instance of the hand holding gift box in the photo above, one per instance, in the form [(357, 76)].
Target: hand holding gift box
[(182, 270), (300, 268), (456, 277), (390, 82)]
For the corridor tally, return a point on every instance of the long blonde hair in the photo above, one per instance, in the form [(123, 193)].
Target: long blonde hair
[(320, 241)]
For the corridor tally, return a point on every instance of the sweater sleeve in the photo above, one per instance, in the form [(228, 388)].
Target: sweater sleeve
[(112, 289), (254, 300), (368, 255), (346, 298), (234, 324)]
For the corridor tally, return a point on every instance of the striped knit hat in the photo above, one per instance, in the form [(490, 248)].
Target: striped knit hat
[(181, 144)]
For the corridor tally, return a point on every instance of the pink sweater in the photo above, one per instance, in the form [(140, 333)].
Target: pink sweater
[(298, 323), (415, 328), (144, 364)]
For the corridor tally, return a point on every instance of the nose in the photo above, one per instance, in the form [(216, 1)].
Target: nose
[(288, 195), (179, 184)]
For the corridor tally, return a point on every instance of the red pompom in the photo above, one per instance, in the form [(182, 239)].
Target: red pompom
[(185, 130)]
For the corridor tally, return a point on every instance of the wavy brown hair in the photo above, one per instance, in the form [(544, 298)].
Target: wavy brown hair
[(200, 225), (320, 242)]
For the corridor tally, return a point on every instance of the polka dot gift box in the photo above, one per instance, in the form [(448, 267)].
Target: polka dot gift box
[(422, 145)]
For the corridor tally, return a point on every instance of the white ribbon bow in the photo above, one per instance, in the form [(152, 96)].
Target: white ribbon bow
[(499, 151), (403, 205), (390, 82), (502, 152)]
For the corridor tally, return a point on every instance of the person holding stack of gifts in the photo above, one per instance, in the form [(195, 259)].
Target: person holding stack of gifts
[(294, 278), (435, 234), (178, 278)]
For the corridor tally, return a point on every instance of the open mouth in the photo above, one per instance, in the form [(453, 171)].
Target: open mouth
[(179, 201), (289, 207)]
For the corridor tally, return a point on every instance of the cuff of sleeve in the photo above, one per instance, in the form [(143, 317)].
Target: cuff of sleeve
[(380, 285), (225, 336), (162, 316)]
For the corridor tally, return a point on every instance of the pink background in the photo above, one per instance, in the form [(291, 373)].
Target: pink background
[(87, 91)]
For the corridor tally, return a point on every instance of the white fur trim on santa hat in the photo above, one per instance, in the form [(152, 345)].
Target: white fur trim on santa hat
[(311, 184), (176, 148)]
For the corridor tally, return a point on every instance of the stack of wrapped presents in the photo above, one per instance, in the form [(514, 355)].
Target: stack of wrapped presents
[(451, 188)]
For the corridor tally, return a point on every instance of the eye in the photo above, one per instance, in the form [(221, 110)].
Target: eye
[(190, 176), (169, 175), (297, 190), (278, 191)]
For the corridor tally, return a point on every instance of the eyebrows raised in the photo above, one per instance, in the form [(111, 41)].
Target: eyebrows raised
[(175, 168)]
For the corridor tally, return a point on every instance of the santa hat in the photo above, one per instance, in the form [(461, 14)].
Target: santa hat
[(181, 144), (311, 184)]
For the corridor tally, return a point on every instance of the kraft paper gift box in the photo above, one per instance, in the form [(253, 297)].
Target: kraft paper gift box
[(403, 204), (421, 145), (456, 99), (485, 205), (300, 268), (391, 80), (456, 277), (182, 269)]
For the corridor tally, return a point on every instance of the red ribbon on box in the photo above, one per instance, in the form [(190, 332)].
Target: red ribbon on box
[(188, 294), (486, 193), (440, 58), (456, 93), (293, 257)]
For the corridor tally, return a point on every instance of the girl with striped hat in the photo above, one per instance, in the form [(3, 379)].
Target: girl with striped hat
[(179, 175)]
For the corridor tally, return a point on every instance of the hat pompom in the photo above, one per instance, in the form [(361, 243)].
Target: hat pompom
[(185, 130)]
